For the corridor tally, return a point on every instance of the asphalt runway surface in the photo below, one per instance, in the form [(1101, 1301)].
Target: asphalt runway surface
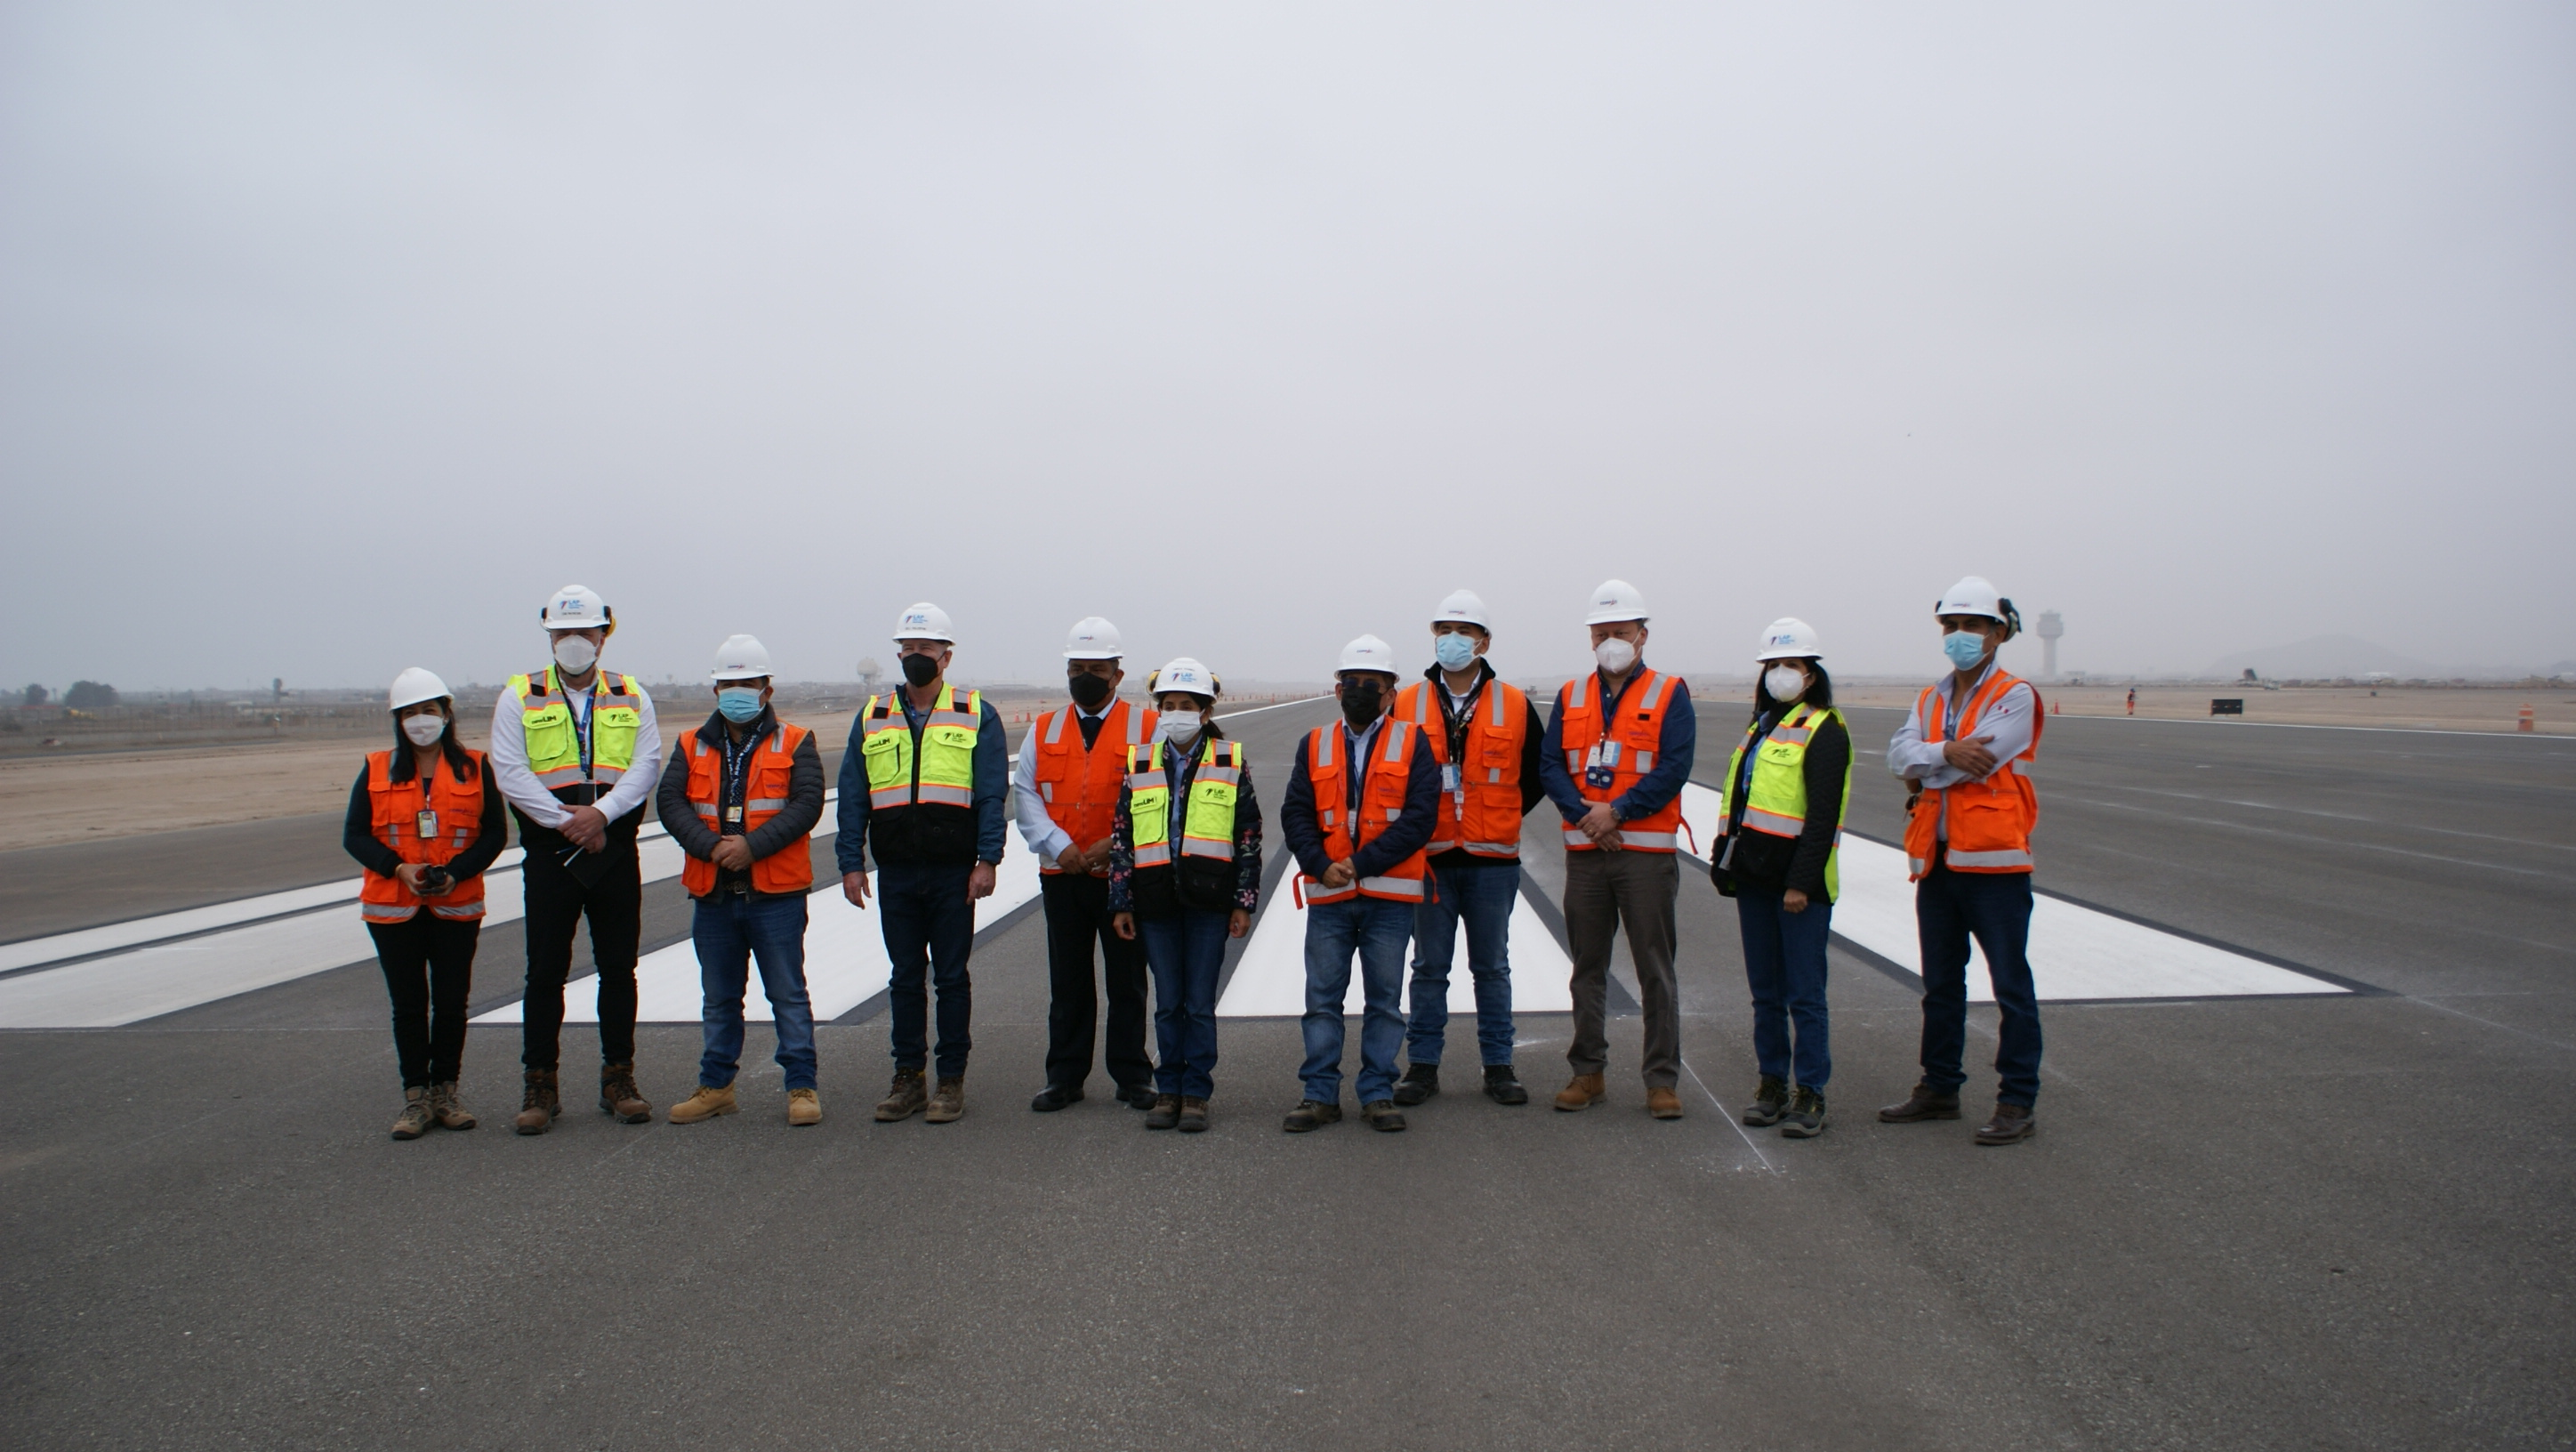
[(2334, 1219)]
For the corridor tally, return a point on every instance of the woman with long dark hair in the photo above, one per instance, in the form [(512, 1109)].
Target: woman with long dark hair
[(1785, 790), (425, 821)]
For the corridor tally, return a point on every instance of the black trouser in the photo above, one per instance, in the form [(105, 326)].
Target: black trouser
[(556, 903), (429, 974), (1077, 912)]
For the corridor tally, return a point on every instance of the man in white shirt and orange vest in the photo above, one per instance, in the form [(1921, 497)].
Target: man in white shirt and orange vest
[(1363, 799), (741, 797), (1964, 748), (1618, 751), (1063, 795), (1485, 734)]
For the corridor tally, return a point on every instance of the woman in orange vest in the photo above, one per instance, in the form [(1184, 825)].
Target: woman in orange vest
[(425, 820)]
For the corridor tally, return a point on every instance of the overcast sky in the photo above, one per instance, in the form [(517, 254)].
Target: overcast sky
[(334, 337)]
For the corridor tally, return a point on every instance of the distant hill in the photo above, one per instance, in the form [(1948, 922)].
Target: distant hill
[(2323, 656)]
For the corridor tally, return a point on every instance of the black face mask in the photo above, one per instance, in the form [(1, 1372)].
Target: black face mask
[(1362, 702), (1090, 690), (921, 670)]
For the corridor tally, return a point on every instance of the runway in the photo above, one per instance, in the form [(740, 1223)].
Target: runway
[(2299, 1182)]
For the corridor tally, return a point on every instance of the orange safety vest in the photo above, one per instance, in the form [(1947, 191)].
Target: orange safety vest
[(1080, 784), (1628, 749), (1988, 822), (451, 813), (1482, 813), (764, 795), (1381, 803)]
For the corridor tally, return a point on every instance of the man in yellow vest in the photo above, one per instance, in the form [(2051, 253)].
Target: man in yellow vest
[(575, 749), (927, 772)]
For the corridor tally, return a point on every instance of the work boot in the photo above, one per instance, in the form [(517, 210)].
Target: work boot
[(2011, 1125), (704, 1105), (1194, 1118), (1383, 1116), (1311, 1114), (1662, 1102), (1166, 1112), (1420, 1082), (1056, 1096), (1138, 1096), (1503, 1086), (538, 1102), (444, 1107), (1582, 1092), (905, 1099), (1923, 1103), (618, 1095), (1805, 1116), (414, 1121), (1770, 1101), (804, 1107), (948, 1105)]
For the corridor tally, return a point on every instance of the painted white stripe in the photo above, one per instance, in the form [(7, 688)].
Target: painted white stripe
[(2075, 952), (1270, 979)]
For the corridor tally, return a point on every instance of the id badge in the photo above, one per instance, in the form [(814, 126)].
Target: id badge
[(733, 815), (1596, 772), (1449, 776), (428, 825)]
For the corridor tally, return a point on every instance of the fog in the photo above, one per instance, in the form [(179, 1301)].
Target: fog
[(336, 336)]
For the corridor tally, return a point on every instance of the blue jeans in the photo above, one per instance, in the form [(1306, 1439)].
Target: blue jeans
[(1375, 929), (1186, 954), (1784, 961), (730, 930), (929, 930), (1995, 908), (1483, 895)]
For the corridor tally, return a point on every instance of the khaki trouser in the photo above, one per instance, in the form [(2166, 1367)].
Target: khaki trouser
[(1604, 891)]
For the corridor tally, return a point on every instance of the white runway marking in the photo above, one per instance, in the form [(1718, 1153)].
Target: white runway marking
[(2075, 952), (1270, 979)]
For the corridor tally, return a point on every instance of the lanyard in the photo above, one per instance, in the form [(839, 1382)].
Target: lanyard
[(737, 767)]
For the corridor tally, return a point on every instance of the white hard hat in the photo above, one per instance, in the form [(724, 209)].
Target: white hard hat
[(924, 621), (1615, 600), (740, 658), (1092, 639), (577, 607), (1183, 674), (415, 686), (1971, 596), (1789, 638), (1368, 653), (1462, 606)]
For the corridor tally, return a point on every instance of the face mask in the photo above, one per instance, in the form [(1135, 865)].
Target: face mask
[(921, 670), (1089, 690), (575, 653), (739, 703), (424, 731), (1615, 655), (1786, 683), (1964, 648), (1177, 726), (1362, 702), (1454, 649)]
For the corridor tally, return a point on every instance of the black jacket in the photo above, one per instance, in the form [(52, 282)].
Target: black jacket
[(1759, 859), (784, 832)]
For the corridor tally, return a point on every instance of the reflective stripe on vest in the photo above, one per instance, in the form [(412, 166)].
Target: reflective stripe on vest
[(944, 775), (1207, 821), (1985, 824), (1482, 813), (553, 738), (394, 811), (1627, 748), (790, 869), (1381, 806)]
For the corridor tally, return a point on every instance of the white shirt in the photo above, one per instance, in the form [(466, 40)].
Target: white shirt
[(1028, 805), (509, 753), (2007, 721)]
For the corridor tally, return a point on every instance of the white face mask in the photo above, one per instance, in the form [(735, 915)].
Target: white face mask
[(424, 731), (1178, 726), (1786, 683), (575, 653), (1615, 655)]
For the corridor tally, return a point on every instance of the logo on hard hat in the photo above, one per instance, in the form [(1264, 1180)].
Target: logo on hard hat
[(916, 618)]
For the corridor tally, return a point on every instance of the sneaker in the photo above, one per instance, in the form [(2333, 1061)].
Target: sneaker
[(1503, 1086), (1166, 1112), (1805, 1116), (1770, 1101), (538, 1103), (1383, 1116), (1194, 1115), (414, 1121), (1311, 1114), (804, 1107), (1420, 1082), (948, 1105), (704, 1105), (905, 1099), (444, 1108), (618, 1095)]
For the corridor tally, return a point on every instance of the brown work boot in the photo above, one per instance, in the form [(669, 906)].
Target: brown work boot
[(804, 1107), (414, 1121), (618, 1095), (1923, 1103), (948, 1104), (1662, 1102), (1582, 1092), (2011, 1125), (1194, 1115), (539, 1103), (905, 1099), (1166, 1113), (704, 1105), (444, 1108)]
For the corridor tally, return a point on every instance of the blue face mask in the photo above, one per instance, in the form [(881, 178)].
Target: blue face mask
[(1455, 649), (739, 703), (1964, 648)]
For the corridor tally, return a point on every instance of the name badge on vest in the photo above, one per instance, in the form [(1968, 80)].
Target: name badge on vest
[(1597, 768), (734, 815), (1449, 776), (428, 825)]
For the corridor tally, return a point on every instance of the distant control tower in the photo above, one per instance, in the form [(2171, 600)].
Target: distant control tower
[(2050, 628)]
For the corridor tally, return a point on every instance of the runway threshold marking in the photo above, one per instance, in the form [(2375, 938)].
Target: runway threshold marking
[(1270, 979)]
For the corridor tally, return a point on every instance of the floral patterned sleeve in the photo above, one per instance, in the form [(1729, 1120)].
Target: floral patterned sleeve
[(1122, 858), (1247, 848)]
